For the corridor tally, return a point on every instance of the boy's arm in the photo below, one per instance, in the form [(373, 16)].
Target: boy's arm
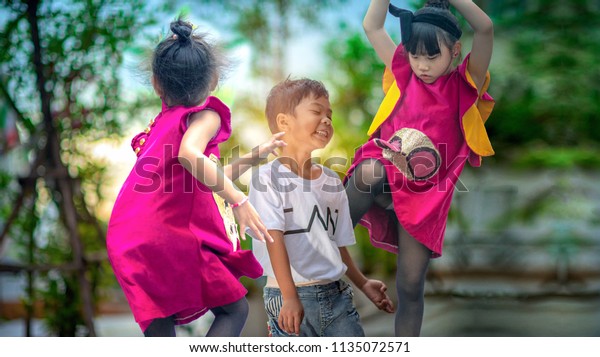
[(373, 289), (483, 39), (234, 170), (355, 275), (373, 25), (292, 311)]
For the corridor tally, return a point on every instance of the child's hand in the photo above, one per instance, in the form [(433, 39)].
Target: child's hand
[(375, 291), (269, 147), (246, 216), (290, 316)]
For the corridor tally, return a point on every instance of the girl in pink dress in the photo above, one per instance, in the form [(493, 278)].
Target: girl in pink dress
[(429, 125), (172, 238)]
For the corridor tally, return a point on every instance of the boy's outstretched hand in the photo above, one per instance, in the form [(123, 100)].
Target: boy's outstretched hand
[(375, 291)]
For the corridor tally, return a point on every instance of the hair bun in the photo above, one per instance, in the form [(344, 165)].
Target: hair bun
[(441, 4), (182, 29)]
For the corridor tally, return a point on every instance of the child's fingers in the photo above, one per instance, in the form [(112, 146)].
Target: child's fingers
[(278, 135), (387, 305), (257, 233), (266, 235), (243, 231), (281, 322), (287, 324), (262, 230), (262, 234), (276, 139), (297, 322)]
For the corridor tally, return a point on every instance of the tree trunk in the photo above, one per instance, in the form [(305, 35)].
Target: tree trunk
[(56, 172)]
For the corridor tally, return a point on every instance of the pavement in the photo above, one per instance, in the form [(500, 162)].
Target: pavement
[(445, 316)]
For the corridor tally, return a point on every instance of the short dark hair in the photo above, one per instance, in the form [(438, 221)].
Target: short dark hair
[(185, 64), (286, 95), (425, 38)]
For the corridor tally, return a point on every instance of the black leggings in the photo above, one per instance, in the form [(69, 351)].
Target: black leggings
[(229, 322), (368, 186)]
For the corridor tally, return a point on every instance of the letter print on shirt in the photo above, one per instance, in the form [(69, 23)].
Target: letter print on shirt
[(327, 222)]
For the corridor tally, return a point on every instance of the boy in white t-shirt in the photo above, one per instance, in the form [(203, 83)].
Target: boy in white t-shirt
[(305, 209)]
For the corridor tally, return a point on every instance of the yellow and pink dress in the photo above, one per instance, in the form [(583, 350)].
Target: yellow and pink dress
[(423, 134), (173, 243)]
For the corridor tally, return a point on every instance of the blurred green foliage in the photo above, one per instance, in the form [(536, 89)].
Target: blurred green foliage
[(82, 49), (548, 88), (545, 80)]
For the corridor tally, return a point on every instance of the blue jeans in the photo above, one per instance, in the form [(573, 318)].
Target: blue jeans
[(328, 311)]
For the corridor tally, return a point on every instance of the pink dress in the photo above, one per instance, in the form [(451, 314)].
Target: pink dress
[(423, 148), (172, 242)]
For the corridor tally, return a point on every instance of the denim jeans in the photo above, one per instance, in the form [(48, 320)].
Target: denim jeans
[(328, 311)]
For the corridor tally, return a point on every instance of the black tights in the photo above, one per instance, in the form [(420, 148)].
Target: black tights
[(411, 267), (229, 322), (368, 186)]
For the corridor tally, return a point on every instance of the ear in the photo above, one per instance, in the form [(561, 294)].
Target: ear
[(456, 49), (283, 122)]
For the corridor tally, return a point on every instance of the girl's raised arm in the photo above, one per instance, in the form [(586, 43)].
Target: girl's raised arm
[(483, 39), (373, 24)]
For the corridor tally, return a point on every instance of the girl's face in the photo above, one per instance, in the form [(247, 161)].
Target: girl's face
[(310, 126), (431, 67)]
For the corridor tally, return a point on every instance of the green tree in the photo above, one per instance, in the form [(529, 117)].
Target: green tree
[(354, 74), (268, 26), (60, 64), (548, 87), (354, 77)]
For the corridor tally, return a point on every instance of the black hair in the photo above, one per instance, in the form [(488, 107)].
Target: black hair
[(426, 38), (185, 65)]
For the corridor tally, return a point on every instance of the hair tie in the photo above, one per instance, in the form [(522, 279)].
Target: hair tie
[(174, 36), (407, 18)]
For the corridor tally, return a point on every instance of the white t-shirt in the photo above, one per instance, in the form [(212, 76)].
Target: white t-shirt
[(312, 214)]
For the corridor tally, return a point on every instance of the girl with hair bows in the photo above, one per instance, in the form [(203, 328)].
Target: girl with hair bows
[(430, 123)]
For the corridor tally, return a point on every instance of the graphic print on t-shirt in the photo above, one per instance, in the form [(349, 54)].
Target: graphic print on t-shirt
[(226, 214), (325, 222)]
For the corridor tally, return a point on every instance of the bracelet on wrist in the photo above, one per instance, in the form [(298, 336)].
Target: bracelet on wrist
[(244, 200)]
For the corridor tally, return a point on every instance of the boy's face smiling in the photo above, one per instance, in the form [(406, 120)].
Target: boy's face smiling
[(310, 125)]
